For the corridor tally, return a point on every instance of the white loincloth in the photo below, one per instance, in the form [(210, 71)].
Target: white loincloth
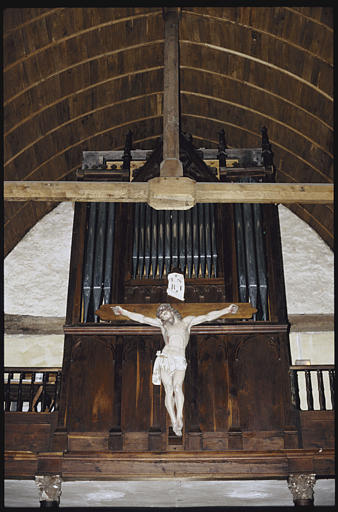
[(167, 363)]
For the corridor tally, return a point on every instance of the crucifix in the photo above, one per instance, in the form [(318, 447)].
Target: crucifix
[(170, 363)]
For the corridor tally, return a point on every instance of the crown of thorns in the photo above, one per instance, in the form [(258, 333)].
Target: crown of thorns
[(167, 307)]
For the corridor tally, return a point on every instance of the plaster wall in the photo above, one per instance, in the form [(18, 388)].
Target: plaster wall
[(36, 270), (308, 267), (22, 350)]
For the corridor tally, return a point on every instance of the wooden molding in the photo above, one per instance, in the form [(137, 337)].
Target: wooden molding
[(143, 330), (125, 192), (213, 465)]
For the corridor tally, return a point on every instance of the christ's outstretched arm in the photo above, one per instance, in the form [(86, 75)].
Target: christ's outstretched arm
[(208, 317), (137, 317)]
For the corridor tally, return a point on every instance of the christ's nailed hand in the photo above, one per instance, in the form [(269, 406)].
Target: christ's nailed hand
[(117, 310)]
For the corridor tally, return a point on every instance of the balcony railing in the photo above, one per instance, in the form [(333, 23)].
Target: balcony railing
[(312, 387), (38, 389), (32, 389)]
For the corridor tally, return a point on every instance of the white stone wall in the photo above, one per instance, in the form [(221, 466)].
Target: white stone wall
[(308, 267), (36, 283), (24, 350), (36, 270)]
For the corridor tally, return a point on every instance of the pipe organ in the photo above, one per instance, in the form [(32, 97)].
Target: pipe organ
[(163, 240)]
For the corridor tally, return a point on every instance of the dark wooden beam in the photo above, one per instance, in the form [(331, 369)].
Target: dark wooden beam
[(215, 465), (309, 323), (28, 324), (171, 164)]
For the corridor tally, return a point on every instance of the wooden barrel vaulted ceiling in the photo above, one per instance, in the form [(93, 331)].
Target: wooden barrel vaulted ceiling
[(78, 79)]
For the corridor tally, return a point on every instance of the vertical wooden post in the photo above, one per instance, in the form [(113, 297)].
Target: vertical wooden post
[(171, 165)]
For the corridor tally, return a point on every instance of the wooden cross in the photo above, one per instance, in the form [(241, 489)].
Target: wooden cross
[(245, 310)]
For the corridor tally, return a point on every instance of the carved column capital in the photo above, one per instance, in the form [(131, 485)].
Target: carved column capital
[(301, 487), (49, 487)]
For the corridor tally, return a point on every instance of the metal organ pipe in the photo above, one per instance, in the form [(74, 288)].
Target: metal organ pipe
[(261, 266), (195, 248), (250, 253), (160, 246), (181, 231), (213, 238), (240, 251), (154, 250), (98, 260), (141, 239), (200, 209), (188, 228), (208, 238), (167, 239), (108, 266), (88, 265), (136, 239), (174, 238), (147, 235)]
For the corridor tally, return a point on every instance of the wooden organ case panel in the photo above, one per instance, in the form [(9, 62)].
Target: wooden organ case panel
[(237, 391)]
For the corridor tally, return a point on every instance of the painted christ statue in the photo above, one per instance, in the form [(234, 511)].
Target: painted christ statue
[(170, 363)]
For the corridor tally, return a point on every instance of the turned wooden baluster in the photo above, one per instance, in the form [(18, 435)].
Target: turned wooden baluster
[(309, 394), (294, 389), (57, 391), (322, 402), (19, 396), (44, 391), (31, 392), (332, 385), (8, 392)]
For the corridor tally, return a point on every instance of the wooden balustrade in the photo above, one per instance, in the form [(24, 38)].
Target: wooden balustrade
[(38, 389), (312, 386), (32, 389)]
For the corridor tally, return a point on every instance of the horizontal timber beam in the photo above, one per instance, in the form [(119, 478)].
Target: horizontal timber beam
[(28, 324), (169, 193)]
